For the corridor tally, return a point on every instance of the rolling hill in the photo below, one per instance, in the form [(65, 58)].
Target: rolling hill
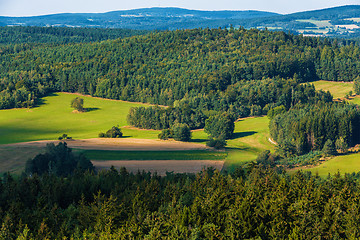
[(341, 21)]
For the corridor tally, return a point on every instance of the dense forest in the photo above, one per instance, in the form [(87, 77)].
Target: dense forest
[(59, 35), (250, 203), (308, 127), (208, 69)]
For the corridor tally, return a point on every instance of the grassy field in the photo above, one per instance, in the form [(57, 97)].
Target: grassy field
[(337, 89), (155, 155), (344, 164), (55, 117)]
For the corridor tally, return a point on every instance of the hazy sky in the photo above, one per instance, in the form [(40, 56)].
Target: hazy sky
[(39, 7)]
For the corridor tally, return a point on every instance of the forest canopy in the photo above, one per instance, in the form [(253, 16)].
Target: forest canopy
[(223, 70)]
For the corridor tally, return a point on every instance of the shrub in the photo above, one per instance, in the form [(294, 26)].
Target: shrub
[(101, 135), (165, 134), (181, 132), (216, 143), (78, 104), (114, 132)]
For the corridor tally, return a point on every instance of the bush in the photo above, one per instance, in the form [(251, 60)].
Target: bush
[(101, 135), (216, 143), (114, 132), (78, 104), (165, 134), (181, 132)]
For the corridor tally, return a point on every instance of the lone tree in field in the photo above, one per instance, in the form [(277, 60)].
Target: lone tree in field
[(220, 126), (78, 104)]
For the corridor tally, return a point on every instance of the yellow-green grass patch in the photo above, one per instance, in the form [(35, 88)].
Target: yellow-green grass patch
[(344, 164), (337, 89), (55, 117)]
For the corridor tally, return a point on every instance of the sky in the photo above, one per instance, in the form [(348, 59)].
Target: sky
[(41, 7)]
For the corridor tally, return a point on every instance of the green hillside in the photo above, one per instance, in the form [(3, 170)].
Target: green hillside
[(55, 117)]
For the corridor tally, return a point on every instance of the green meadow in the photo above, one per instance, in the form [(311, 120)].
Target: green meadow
[(344, 164), (337, 89), (155, 155), (54, 116)]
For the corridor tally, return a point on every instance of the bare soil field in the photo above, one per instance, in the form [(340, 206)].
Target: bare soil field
[(14, 156), (120, 144), (161, 166)]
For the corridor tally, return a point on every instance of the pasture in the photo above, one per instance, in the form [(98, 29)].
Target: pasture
[(54, 116), (337, 89), (343, 164)]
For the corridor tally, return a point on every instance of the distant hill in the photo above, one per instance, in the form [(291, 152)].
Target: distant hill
[(338, 21), (145, 18)]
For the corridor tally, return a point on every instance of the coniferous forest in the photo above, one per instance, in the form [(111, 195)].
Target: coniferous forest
[(252, 203), (223, 70)]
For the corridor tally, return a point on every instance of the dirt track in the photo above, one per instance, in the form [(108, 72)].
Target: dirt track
[(161, 166), (124, 144)]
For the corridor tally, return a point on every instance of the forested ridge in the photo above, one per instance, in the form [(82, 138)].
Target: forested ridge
[(248, 204), (207, 69), (59, 35)]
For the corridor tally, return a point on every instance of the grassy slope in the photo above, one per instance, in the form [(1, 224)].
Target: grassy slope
[(337, 89), (250, 138), (345, 164), (55, 117)]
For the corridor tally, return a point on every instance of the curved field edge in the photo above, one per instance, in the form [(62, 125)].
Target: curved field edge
[(337, 89), (349, 163)]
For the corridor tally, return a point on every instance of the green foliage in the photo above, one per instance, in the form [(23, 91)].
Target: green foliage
[(214, 70), (163, 118), (118, 203), (311, 158), (114, 132), (22, 37), (341, 145), (78, 104), (216, 143), (166, 134), (220, 126), (58, 160), (357, 85), (275, 111), (329, 148), (181, 132), (309, 127)]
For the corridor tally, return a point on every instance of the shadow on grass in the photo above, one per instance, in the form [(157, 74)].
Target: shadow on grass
[(242, 134), (197, 140), (41, 101), (91, 109)]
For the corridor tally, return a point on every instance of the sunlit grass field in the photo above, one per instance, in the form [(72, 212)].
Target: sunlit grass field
[(344, 164), (55, 116), (337, 89)]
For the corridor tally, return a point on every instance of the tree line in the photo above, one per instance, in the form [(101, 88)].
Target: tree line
[(308, 127)]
